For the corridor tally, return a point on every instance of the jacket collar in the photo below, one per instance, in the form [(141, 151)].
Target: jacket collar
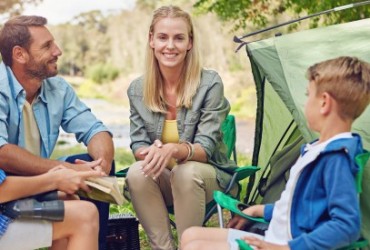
[(350, 145)]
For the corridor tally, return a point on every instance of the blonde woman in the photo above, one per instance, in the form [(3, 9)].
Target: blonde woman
[(176, 112)]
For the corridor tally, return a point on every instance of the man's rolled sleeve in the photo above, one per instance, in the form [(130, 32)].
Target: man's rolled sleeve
[(79, 119)]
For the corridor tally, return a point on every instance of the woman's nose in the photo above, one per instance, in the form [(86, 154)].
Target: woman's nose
[(170, 44)]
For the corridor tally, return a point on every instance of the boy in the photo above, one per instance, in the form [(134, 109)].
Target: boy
[(79, 228), (319, 207)]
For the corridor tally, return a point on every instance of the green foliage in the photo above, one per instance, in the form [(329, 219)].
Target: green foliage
[(237, 11), (62, 150), (123, 158), (100, 73), (242, 13), (15, 7), (84, 41), (244, 103)]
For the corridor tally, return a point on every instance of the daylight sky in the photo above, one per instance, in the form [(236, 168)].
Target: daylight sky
[(60, 11)]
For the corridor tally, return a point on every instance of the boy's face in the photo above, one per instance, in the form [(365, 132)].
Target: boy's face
[(312, 107)]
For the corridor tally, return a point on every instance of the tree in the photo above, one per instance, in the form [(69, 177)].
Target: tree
[(243, 13), (15, 7)]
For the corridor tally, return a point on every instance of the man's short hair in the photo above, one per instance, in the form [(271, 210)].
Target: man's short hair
[(16, 33), (347, 80)]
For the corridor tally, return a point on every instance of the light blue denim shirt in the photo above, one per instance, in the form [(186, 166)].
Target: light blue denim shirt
[(199, 124), (4, 220), (57, 105)]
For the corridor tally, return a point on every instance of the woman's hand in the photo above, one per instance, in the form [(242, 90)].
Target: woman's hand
[(157, 157), (263, 245)]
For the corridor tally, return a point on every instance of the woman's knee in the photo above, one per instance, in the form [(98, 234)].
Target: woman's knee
[(184, 173), (191, 174), (135, 176), (134, 170)]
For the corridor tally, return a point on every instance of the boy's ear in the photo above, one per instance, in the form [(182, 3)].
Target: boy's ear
[(326, 103)]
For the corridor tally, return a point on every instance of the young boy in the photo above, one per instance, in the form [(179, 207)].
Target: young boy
[(78, 230), (319, 207)]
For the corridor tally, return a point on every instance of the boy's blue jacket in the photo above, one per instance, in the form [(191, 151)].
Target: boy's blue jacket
[(325, 211)]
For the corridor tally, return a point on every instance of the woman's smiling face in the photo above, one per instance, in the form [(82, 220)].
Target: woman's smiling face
[(170, 41)]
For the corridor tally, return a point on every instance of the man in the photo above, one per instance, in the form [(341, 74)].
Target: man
[(34, 104)]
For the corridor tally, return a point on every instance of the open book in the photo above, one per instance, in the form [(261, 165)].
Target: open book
[(103, 189)]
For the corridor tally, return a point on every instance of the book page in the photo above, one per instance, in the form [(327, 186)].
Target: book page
[(103, 189)]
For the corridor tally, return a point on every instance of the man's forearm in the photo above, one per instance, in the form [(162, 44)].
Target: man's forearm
[(16, 160), (101, 146)]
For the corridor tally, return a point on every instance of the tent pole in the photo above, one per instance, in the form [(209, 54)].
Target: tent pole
[(343, 7)]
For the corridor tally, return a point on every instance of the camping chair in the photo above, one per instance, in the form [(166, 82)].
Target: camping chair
[(237, 207), (228, 129)]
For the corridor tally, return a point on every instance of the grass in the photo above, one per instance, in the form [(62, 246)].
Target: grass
[(123, 159)]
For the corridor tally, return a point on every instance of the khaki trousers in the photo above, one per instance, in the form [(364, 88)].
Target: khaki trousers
[(188, 187)]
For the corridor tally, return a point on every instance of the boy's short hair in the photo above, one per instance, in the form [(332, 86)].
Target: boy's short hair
[(347, 80)]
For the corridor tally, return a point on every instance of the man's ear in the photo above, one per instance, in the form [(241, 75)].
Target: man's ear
[(20, 55), (326, 103)]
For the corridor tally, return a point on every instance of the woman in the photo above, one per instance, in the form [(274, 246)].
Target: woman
[(176, 112)]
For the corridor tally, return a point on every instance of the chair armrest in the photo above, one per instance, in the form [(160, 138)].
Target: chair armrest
[(234, 206), (122, 172), (245, 171), (240, 173), (243, 245), (359, 244)]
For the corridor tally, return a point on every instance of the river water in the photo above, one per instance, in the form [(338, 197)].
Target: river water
[(116, 118)]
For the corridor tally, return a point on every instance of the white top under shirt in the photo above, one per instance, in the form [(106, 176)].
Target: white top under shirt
[(279, 231)]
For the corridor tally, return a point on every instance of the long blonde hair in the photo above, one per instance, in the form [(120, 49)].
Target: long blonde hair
[(191, 72)]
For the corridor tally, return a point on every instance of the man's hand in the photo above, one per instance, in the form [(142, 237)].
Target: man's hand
[(101, 147), (263, 245), (70, 181), (95, 165), (80, 165)]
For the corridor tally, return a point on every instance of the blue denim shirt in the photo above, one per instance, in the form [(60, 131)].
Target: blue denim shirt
[(199, 124), (56, 105), (4, 221)]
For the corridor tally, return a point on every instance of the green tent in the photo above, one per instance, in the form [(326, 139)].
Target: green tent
[(279, 67)]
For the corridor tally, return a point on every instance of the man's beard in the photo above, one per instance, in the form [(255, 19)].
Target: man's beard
[(39, 70)]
